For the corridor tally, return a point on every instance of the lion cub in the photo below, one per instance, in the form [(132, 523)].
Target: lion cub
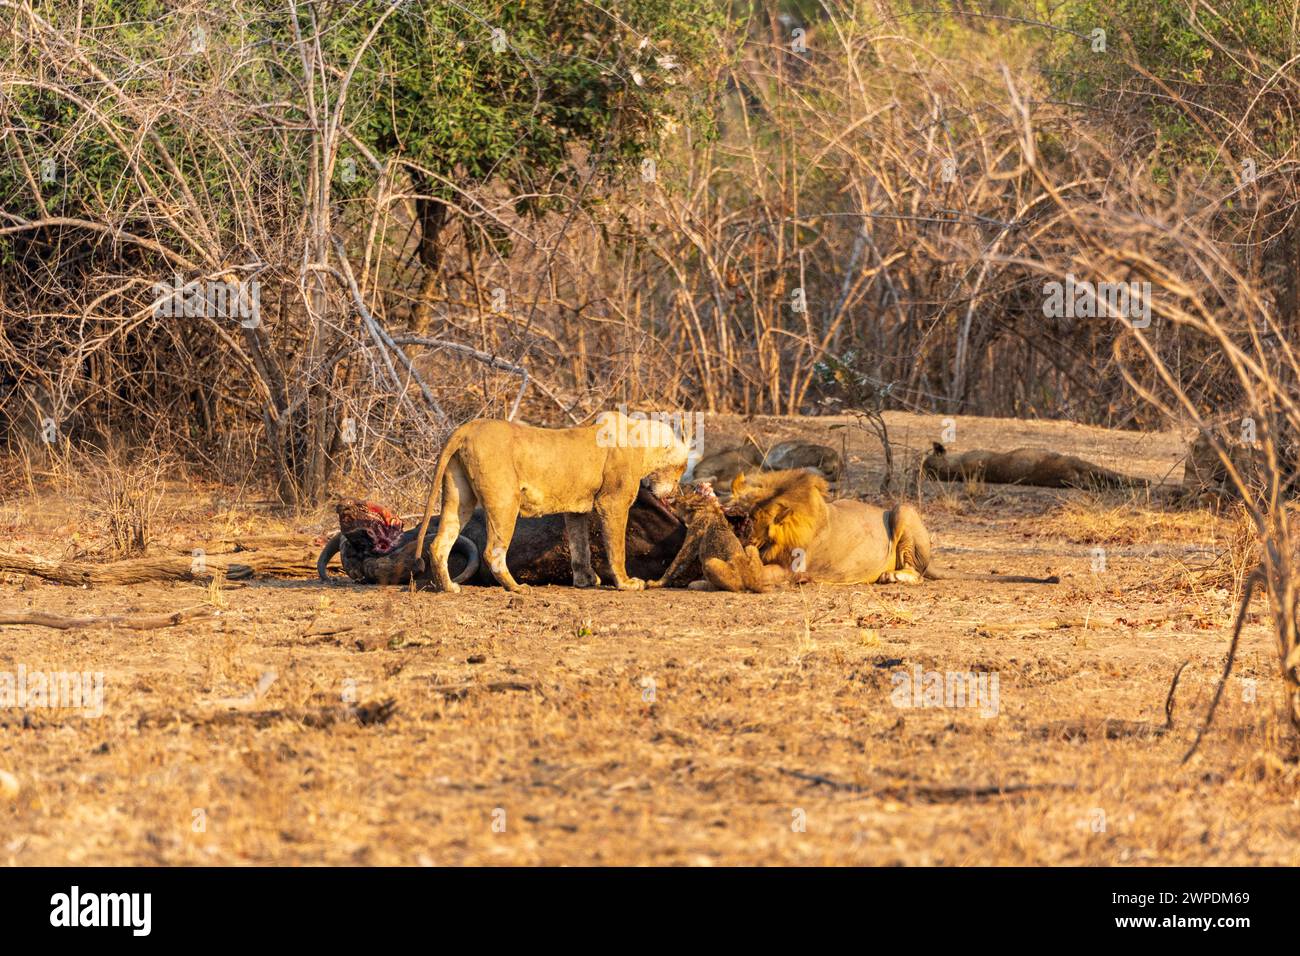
[(728, 566)]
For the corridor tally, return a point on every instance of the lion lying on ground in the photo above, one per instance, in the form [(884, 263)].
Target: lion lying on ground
[(823, 459), (726, 565), (840, 542), (519, 470), (721, 468), (1023, 466), (1205, 474)]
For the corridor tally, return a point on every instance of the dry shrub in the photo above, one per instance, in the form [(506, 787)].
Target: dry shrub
[(126, 490), (1199, 295), (1241, 552), (1089, 520)]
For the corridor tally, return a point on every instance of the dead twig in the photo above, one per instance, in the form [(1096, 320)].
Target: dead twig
[(929, 793), (1169, 698), (364, 715), (461, 691), (143, 622), (1253, 580)]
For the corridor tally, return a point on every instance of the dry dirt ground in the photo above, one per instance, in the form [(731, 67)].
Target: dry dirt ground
[(578, 727)]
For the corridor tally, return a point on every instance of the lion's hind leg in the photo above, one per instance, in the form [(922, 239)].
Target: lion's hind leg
[(749, 562), (501, 518), (910, 545), (723, 575), (743, 571), (458, 503)]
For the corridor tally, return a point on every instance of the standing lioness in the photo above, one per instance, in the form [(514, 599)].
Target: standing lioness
[(518, 470)]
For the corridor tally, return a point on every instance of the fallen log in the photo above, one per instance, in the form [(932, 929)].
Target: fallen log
[(138, 622), (289, 562), (248, 542)]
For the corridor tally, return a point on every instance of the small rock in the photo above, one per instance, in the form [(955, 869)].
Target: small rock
[(371, 642)]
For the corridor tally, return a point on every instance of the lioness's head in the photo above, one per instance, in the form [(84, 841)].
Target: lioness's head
[(665, 454), (650, 446)]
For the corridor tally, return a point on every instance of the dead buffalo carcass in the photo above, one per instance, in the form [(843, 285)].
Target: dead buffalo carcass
[(373, 548)]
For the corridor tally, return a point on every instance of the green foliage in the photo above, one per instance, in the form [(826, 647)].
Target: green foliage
[(1204, 54), (451, 93), (563, 82)]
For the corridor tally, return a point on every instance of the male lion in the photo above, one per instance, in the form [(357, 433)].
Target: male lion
[(519, 470), (840, 542), (1024, 466)]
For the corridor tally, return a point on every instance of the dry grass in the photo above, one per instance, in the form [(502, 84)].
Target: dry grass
[(1092, 519), (670, 728), (126, 492)]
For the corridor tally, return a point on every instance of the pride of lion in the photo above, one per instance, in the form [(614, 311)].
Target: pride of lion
[(780, 526)]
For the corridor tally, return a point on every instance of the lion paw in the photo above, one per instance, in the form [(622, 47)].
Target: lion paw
[(631, 584)]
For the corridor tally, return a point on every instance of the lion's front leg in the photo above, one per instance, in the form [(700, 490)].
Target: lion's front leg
[(690, 548), (613, 526), (577, 529)]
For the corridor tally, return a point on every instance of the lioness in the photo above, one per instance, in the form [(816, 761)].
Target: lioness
[(804, 454), (1204, 472), (521, 470), (840, 542), (725, 563), (722, 467), (1024, 466)]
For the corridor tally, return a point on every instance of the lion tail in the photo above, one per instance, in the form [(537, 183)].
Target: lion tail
[(453, 445), (931, 574), (1116, 480)]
